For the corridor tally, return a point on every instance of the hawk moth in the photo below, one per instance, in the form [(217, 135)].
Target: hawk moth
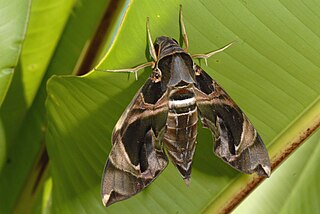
[(162, 118)]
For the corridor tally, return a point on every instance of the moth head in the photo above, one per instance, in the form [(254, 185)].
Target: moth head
[(164, 40), (165, 46)]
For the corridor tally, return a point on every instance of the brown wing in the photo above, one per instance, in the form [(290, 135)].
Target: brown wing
[(137, 156), (237, 142)]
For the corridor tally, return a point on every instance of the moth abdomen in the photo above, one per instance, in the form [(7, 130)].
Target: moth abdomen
[(181, 130)]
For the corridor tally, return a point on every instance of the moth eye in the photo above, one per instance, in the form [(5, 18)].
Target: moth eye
[(196, 69), (156, 77)]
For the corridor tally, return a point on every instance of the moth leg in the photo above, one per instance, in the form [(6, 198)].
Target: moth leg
[(129, 70), (210, 54), (151, 46), (139, 67), (183, 30)]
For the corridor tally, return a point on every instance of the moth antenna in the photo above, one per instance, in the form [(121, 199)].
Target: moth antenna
[(151, 47), (210, 54), (129, 70), (183, 30)]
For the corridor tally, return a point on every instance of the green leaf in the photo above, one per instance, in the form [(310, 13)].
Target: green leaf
[(13, 24), (295, 183), (23, 130), (42, 35), (26, 169), (2, 146), (267, 72)]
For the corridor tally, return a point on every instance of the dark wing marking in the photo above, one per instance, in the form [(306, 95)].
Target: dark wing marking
[(137, 156), (236, 140)]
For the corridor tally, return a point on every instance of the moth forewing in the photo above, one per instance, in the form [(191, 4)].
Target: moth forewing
[(237, 142), (136, 158)]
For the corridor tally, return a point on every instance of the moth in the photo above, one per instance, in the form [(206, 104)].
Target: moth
[(161, 122)]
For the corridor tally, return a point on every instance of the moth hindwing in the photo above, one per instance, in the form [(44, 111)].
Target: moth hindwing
[(163, 116)]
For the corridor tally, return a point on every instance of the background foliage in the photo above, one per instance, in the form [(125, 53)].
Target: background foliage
[(51, 160)]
